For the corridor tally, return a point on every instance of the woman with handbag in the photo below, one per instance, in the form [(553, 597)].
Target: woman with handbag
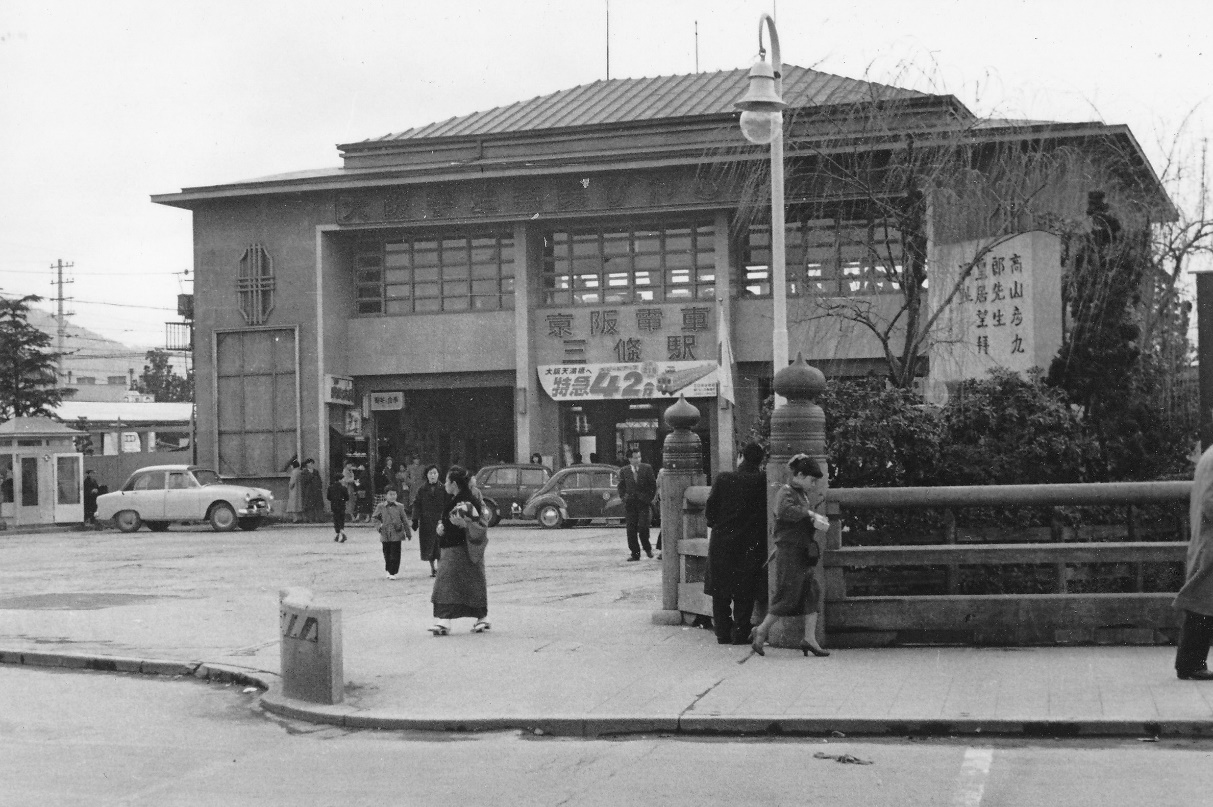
[(460, 589), (428, 503), (796, 554)]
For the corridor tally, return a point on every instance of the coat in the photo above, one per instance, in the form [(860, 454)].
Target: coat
[(393, 522), (312, 488), (428, 505), (637, 487), (338, 496), (736, 511), (294, 495), (1196, 595)]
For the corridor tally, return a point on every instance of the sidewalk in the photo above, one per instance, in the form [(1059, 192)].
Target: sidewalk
[(585, 672)]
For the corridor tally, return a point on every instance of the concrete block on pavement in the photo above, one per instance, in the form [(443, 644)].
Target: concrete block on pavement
[(311, 656)]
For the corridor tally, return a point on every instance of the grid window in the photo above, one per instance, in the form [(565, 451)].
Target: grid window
[(828, 257), (416, 276), (622, 266)]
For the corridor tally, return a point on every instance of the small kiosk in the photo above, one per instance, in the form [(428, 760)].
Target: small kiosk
[(41, 473)]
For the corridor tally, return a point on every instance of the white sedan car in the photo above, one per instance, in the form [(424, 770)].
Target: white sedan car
[(163, 493)]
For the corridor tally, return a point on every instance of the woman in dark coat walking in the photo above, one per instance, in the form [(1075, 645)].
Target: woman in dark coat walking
[(736, 511), (313, 492), (460, 589), (796, 554), (428, 504)]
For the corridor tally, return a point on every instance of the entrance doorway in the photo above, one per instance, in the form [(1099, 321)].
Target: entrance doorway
[(605, 431)]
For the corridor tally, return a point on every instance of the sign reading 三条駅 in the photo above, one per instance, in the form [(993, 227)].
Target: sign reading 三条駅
[(650, 379)]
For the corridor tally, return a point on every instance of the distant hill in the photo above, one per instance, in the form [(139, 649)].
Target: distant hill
[(89, 354)]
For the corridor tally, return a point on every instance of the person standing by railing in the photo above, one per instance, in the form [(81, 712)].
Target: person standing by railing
[(1195, 599), (796, 553)]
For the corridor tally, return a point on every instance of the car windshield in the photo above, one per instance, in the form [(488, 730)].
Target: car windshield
[(206, 477)]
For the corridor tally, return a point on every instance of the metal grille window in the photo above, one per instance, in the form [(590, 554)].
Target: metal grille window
[(255, 285), (621, 266), (419, 276), (828, 257)]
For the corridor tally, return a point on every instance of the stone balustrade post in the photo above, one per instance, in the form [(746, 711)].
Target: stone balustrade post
[(682, 463), (797, 427)]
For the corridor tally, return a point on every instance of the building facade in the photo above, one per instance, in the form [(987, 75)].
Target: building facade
[(542, 278)]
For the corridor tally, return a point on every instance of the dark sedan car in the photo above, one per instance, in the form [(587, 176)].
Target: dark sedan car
[(579, 493), (506, 488)]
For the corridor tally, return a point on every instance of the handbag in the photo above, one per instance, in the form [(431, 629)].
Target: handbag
[(478, 538)]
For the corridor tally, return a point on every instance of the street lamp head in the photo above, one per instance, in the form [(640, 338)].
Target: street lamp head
[(761, 116), (760, 128), (761, 96)]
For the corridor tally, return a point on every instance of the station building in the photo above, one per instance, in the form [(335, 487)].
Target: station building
[(545, 277)]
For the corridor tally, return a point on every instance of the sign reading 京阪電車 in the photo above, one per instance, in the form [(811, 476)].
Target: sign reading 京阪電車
[(650, 379), (386, 401), (339, 390), (1007, 311)]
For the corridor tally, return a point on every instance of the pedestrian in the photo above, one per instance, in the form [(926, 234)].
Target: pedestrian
[(428, 505), (460, 589), (404, 491), (312, 492), (362, 481), (656, 519), (796, 553), (338, 495), (393, 526), (416, 474), (736, 512), (349, 482), (91, 491), (294, 492), (637, 488), (1195, 598), (385, 479)]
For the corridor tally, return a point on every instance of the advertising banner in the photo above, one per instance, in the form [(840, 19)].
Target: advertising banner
[(339, 390), (649, 379)]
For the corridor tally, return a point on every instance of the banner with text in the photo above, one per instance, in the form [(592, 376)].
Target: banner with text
[(649, 379)]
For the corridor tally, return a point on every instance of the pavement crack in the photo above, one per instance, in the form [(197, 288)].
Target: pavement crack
[(699, 697)]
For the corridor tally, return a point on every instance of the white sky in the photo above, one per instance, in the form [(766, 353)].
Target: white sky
[(104, 104)]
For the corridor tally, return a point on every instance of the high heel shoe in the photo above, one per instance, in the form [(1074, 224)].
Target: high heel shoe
[(757, 642), (807, 648)]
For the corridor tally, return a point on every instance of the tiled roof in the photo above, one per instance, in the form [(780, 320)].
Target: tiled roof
[(35, 426), (644, 99)]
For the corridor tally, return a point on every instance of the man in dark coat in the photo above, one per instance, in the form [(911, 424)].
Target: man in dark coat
[(92, 489), (1195, 599), (637, 488), (736, 511)]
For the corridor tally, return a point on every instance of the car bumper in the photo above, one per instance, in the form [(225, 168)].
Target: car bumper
[(254, 509)]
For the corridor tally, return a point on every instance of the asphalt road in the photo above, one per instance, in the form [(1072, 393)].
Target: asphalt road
[(71, 738)]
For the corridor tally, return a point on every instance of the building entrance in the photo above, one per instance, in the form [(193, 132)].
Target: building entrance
[(606, 431)]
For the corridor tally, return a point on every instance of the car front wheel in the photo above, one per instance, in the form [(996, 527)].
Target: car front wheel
[(549, 517), (128, 521), (222, 518), (250, 524), (494, 512)]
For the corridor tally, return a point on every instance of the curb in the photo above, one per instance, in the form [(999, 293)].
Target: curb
[(274, 702), (220, 673)]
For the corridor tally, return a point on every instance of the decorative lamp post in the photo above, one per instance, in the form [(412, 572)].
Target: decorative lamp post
[(762, 122)]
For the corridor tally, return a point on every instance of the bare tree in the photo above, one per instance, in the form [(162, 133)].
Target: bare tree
[(920, 168)]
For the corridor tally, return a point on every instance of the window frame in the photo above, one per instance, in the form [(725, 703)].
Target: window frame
[(411, 274)]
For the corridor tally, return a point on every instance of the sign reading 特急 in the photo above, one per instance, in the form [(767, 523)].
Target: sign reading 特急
[(653, 379), (1006, 312)]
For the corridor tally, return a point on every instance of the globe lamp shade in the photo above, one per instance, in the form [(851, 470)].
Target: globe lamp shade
[(760, 127)]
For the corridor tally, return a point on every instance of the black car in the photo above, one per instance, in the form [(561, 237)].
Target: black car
[(577, 493), (506, 488)]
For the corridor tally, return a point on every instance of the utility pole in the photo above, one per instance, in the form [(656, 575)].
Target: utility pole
[(59, 282)]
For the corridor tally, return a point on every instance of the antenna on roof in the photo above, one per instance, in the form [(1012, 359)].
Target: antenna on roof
[(608, 38), (696, 46)]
